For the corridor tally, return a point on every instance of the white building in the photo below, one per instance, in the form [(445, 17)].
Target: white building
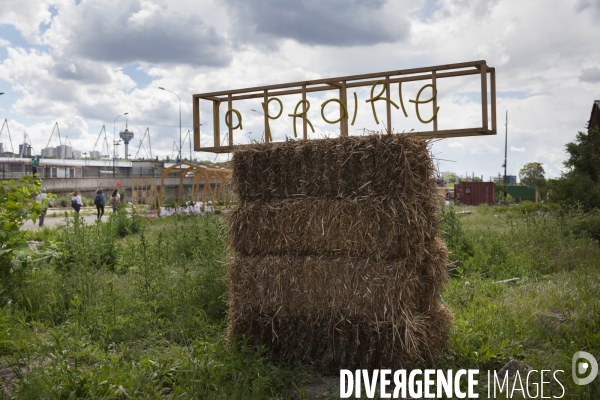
[(48, 152)]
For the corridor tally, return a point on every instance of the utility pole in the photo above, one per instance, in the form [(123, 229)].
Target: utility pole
[(505, 152)]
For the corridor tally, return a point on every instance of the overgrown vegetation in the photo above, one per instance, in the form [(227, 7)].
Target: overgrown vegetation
[(142, 316), (581, 184), (540, 319), (16, 206), (130, 308)]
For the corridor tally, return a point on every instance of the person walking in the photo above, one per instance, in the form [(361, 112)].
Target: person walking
[(100, 201), (115, 199), (41, 199), (76, 202)]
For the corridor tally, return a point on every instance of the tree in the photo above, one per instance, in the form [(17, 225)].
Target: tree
[(581, 184), (584, 154), (452, 178), (533, 174)]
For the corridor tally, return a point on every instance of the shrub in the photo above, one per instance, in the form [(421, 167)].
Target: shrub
[(44, 235), (93, 246), (16, 207), (589, 225), (63, 201), (124, 224), (87, 202)]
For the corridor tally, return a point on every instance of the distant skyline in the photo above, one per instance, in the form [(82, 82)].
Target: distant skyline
[(83, 63)]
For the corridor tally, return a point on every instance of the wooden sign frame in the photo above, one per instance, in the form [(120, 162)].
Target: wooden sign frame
[(271, 92)]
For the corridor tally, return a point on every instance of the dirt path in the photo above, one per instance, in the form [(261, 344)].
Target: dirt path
[(56, 217)]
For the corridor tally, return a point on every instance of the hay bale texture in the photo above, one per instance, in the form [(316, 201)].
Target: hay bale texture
[(338, 264)]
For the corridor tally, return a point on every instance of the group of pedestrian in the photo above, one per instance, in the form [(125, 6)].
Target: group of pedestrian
[(99, 201), (77, 203)]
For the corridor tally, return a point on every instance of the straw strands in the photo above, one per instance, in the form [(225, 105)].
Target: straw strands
[(338, 264), (317, 287), (377, 227), (355, 166)]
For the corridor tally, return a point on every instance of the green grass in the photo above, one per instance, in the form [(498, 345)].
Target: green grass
[(149, 322), (137, 309), (541, 319)]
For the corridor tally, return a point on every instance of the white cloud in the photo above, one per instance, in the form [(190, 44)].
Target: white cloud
[(126, 31), (27, 16), (591, 75), (316, 22), (482, 148), (545, 76)]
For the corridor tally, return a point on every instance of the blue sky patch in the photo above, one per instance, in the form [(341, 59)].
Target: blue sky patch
[(135, 72), (12, 35), (428, 9)]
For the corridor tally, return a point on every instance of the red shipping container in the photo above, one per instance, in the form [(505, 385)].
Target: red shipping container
[(475, 193)]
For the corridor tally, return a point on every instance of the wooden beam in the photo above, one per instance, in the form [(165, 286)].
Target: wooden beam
[(454, 133), (213, 98), (304, 123), (196, 122), (216, 123), (266, 115), (470, 64), (493, 98), (230, 104), (388, 106), (430, 134), (435, 121), (344, 121), (323, 88), (484, 108)]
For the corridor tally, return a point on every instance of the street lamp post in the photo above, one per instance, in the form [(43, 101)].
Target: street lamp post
[(115, 143), (166, 90)]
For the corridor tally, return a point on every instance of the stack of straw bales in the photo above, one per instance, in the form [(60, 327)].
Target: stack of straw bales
[(338, 263)]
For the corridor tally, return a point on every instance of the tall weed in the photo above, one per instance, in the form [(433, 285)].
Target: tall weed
[(516, 242)]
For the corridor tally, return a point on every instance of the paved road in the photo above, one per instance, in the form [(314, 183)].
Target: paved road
[(52, 221)]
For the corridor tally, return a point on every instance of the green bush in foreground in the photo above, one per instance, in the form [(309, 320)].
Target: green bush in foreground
[(147, 322), (17, 205)]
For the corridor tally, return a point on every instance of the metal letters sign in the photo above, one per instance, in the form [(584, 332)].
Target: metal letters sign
[(379, 84)]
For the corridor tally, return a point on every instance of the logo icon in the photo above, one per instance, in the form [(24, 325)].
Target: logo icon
[(580, 367)]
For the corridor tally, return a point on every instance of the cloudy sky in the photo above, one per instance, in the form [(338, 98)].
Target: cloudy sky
[(82, 63)]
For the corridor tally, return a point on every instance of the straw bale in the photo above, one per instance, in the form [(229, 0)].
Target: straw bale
[(319, 287), (378, 227), (338, 262), (354, 166), (331, 344)]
